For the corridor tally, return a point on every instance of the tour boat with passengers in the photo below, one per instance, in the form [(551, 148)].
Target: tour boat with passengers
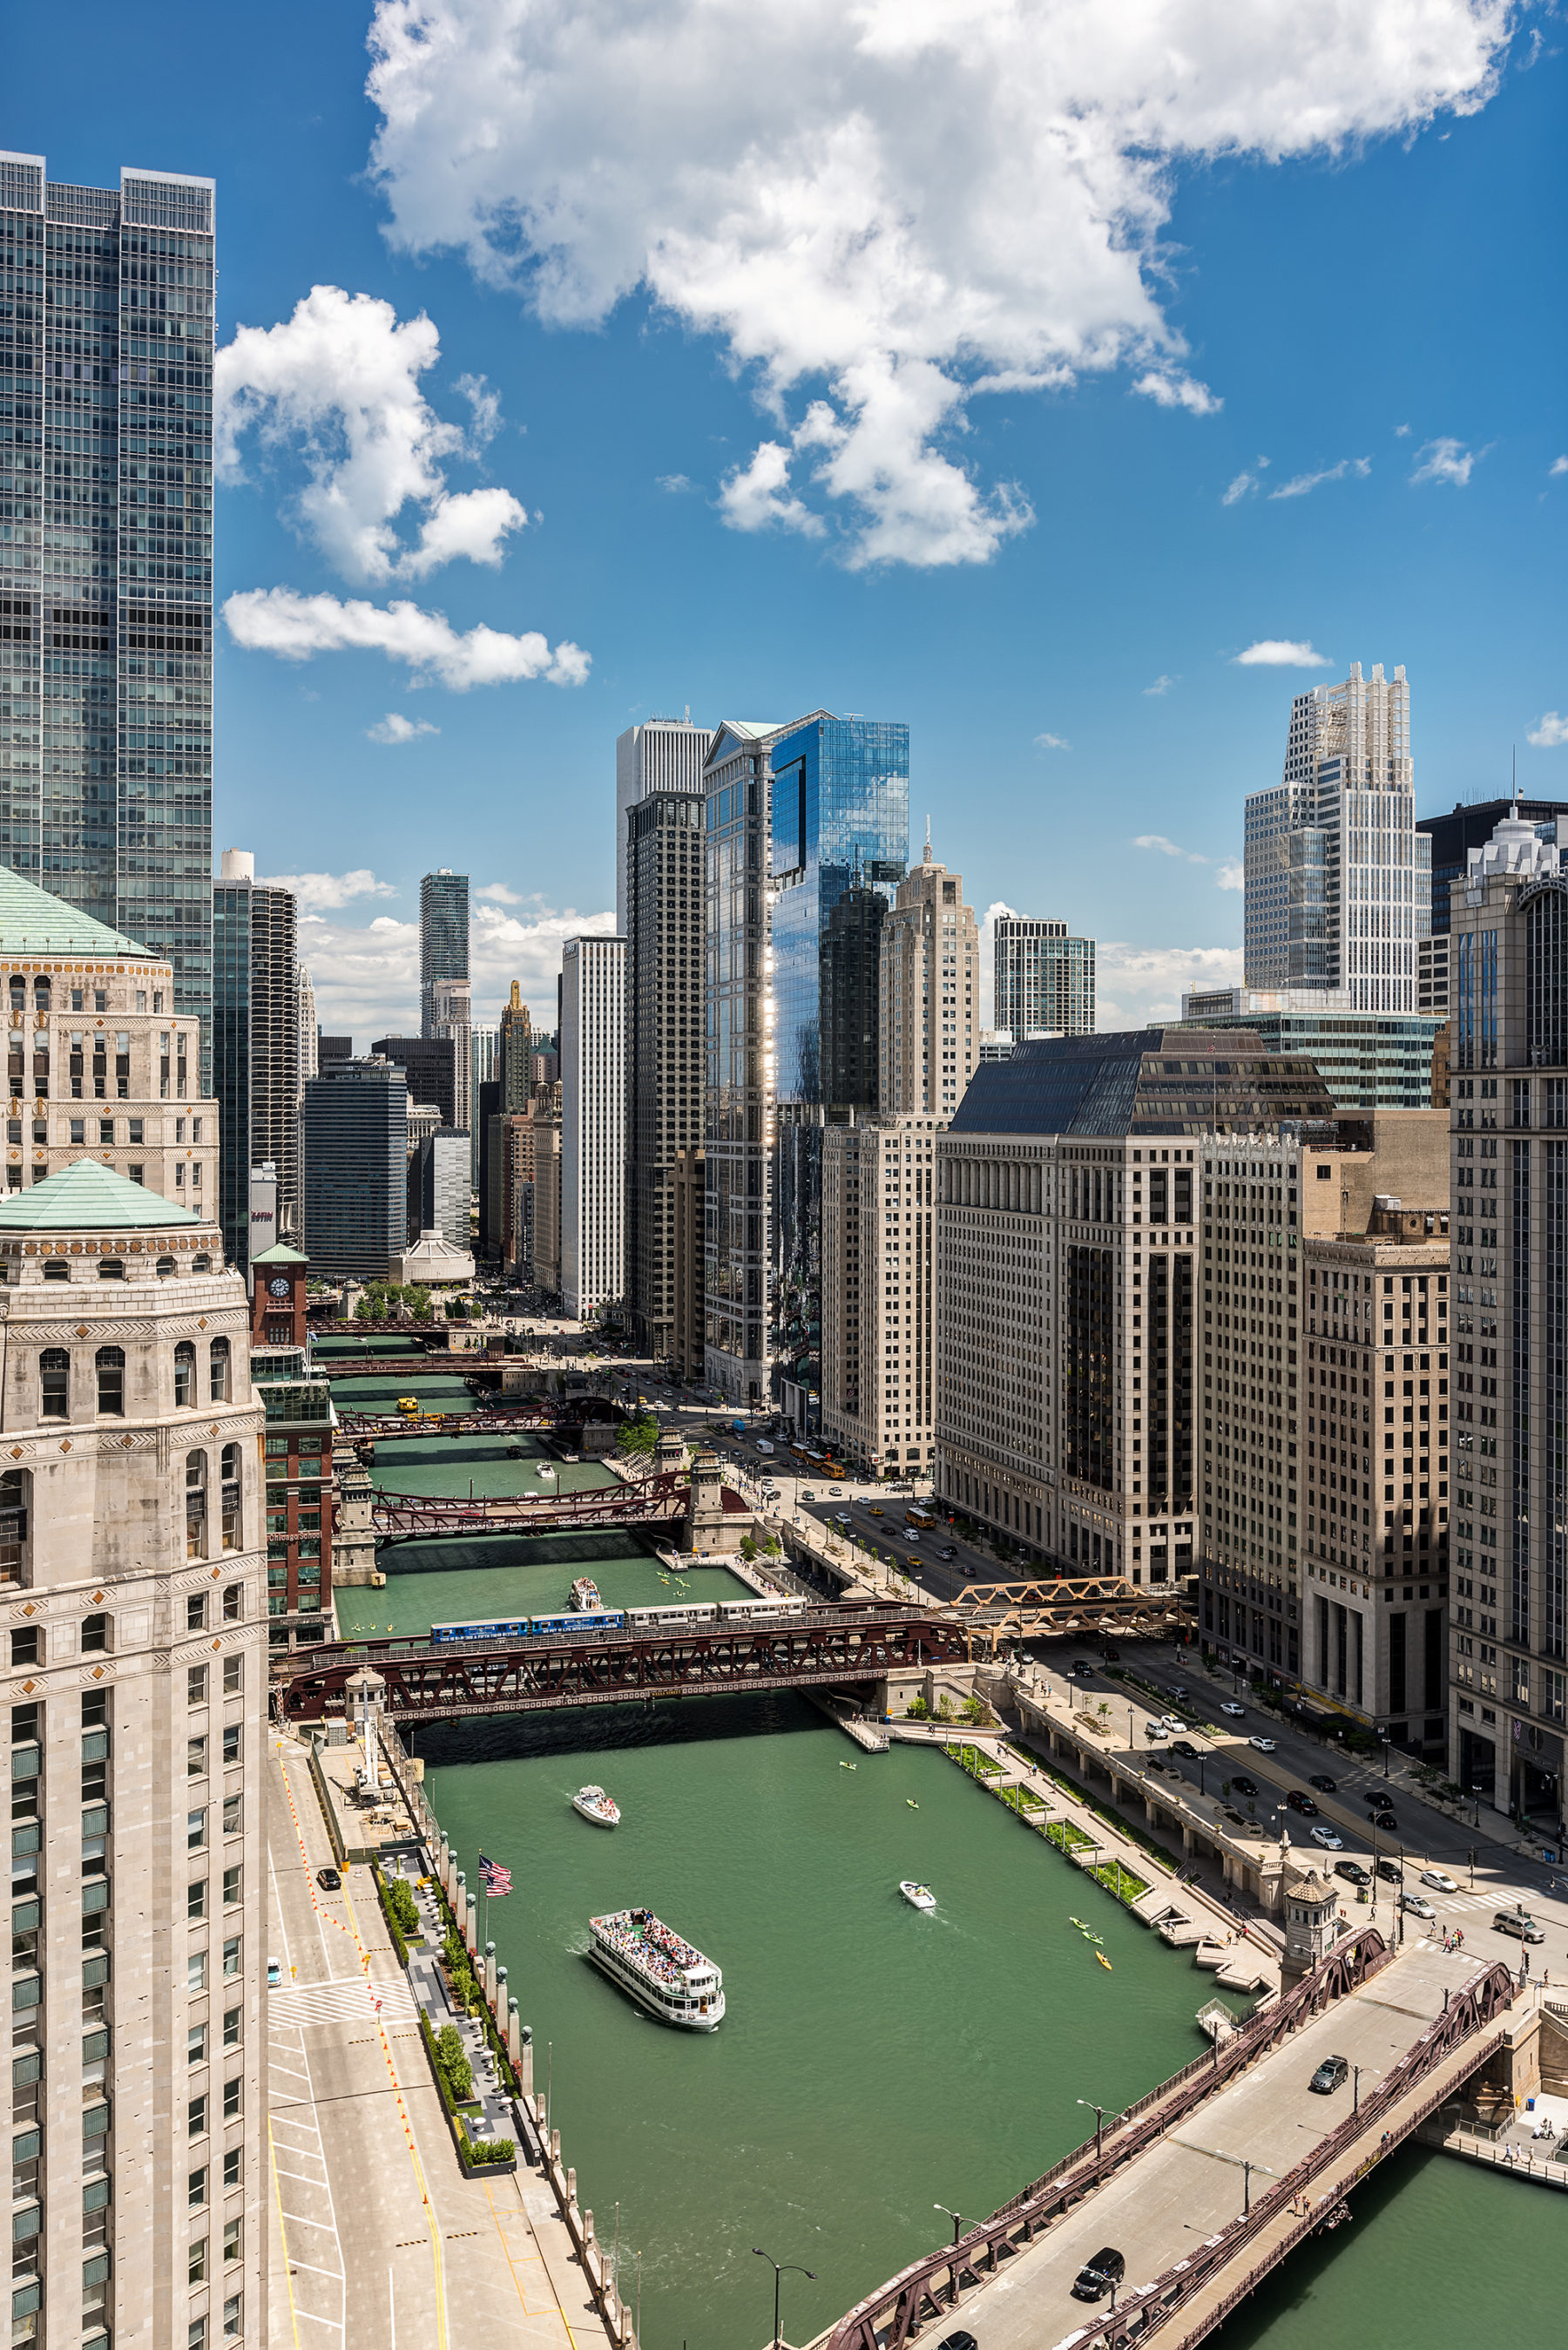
[(918, 1896), (664, 1974), (596, 1806), (583, 1598)]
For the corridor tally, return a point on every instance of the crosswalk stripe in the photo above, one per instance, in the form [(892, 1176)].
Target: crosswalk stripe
[(340, 2002)]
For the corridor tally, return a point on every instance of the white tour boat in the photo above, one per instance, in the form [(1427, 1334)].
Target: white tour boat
[(918, 1896), (596, 1806), (665, 1975), (583, 1598)]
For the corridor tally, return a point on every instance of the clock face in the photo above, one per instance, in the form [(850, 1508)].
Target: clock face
[(278, 1288)]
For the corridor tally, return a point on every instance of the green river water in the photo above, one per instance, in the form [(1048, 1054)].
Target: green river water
[(873, 2059)]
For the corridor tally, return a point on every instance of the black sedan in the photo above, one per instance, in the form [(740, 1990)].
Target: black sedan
[(1244, 1785), (1184, 1747), (1302, 1803), (328, 1879), (1384, 1819), (1324, 1785), (1390, 1872), (1353, 1872), (1097, 2276)]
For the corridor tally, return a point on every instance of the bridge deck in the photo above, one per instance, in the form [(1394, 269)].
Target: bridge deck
[(1180, 2191)]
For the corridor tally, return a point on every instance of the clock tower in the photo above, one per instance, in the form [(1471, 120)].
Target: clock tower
[(277, 1302)]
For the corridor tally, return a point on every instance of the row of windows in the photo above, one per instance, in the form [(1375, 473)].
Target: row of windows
[(109, 1363)]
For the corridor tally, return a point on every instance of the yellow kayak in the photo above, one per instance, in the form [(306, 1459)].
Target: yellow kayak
[(1105, 1961)]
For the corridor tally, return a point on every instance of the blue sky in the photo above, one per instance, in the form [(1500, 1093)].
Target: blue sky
[(1007, 570)]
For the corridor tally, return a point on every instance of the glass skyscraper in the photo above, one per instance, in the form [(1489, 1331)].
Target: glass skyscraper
[(255, 1047), (443, 941), (106, 560)]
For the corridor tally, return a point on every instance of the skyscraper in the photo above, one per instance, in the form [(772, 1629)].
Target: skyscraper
[(516, 1053), (1043, 980), (310, 1035), (593, 1125), (106, 479), (443, 937), (1469, 824), (256, 1046), (881, 1339), (664, 861), (661, 754), (451, 1018), (1338, 879), (930, 979), (354, 1139)]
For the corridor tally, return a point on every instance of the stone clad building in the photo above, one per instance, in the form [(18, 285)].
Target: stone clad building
[(135, 1660), (880, 1337)]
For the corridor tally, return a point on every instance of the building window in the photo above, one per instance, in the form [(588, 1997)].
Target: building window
[(165, 1267), (54, 1383), (218, 1371), (111, 1269), (13, 1498), (95, 1635), (196, 1507), (110, 1365), (57, 1270), (185, 1375)]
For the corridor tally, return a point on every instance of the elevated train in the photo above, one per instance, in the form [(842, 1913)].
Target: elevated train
[(600, 1620)]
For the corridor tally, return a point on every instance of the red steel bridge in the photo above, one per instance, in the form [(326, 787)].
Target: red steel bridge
[(500, 1418), (816, 1646), (651, 1501)]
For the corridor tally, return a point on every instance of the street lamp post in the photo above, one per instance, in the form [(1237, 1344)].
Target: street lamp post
[(958, 2223), (780, 2269), (1099, 2113)]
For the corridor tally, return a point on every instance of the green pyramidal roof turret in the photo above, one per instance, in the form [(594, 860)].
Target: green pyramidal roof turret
[(88, 1198), (33, 922)]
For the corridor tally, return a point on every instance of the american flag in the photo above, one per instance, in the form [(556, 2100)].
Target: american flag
[(497, 1880)]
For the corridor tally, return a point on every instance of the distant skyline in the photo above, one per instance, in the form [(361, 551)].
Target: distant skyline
[(1283, 394)]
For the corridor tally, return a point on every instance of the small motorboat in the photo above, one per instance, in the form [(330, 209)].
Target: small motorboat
[(918, 1896), (594, 1805)]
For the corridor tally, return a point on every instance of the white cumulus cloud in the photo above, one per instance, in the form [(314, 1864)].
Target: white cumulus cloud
[(1446, 460), (1558, 466), (366, 979), (339, 381), (1052, 743), (1134, 984), (1232, 875), (396, 728), (1552, 734), (278, 620), (1241, 485), (1280, 652), (321, 893), (758, 497), (1158, 841), (1161, 685), (988, 960), (1301, 485), (936, 196)]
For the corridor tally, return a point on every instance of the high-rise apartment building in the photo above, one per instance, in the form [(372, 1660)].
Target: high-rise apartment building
[(1509, 1165), (310, 1034), (98, 1062), (354, 1141), (1325, 1515), (516, 1053), (256, 1045), (662, 754), (545, 1118), (593, 1125), (687, 1186), (1338, 880), (664, 855), (928, 1007), (880, 1336), (1043, 981), (1068, 1261), (105, 603), (130, 1545), (443, 937), (452, 1021)]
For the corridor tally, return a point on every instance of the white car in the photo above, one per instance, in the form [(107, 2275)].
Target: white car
[(1155, 1729), (1264, 1745), (1439, 1880), (1418, 1905), (1330, 1838), (1230, 1708)]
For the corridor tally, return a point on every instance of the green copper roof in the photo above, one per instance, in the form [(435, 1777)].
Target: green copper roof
[(280, 1253), (88, 1198), (32, 922)]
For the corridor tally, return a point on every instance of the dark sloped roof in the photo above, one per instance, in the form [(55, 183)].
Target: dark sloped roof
[(1142, 1081)]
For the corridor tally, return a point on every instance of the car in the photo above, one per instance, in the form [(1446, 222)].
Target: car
[(1177, 1690), (835, 1492), (1329, 1838), (1353, 1872), (947, 1552), (1320, 1780), (1330, 2074), (1244, 1785), (1155, 1729), (328, 1879), (1520, 1924), (1082, 1671), (874, 1510), (806, 1494), (1439, 1880), (273, 1974), (958, 2341), (1233, 1708), (1184, 1747), (1302, 1803), (1264, 1745), (1097, 2276), (1389, 1871), (1418, 1905), (1384, 1820)]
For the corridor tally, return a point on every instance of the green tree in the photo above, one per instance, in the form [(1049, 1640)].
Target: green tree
[(748, 1548), (455, 2068), (637, 1440), (418, 1301)]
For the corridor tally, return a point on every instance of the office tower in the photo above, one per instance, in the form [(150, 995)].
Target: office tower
[(106, 479), (98, 1063), (544, 1069), (256, 1045), (516, 1053), (1312, 1519), (1043, 981), (484, 1063), (131, 1538), (332, 1048), (443, 937), (664, 977), (452, 1020), (662, 754), (1338, 880), (930, 985), (1069, 1258), (1470, 825), (354, 1141), (1367, 1060), (440, 1186), (687, 1344), (429, 1064), (308, 1032), (1508, 1165), (298, 1408), (880, 1335), (487, 1120), (593, 1125), (546, 1118), (849, 973)]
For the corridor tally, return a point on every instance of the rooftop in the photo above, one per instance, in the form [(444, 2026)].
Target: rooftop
[(33, 922), (1144, 1081), (88, 1198)]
